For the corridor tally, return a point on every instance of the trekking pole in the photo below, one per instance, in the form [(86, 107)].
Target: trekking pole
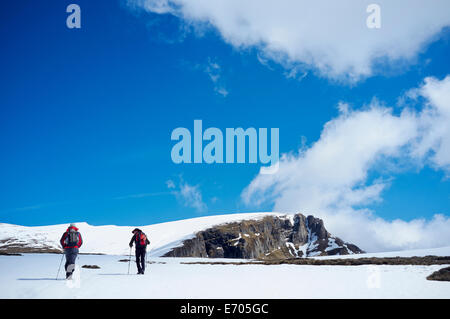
[(145, 259), (129, 261), (60, 263)]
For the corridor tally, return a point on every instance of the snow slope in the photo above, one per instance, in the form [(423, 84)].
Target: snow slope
[(114, 240), (33, 276)]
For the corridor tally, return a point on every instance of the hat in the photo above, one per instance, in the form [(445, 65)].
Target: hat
[(73, 225), (135, 230)]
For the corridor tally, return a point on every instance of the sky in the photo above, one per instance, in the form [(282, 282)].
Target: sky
[(86, 115)]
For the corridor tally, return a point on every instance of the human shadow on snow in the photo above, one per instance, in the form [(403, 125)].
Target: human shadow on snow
[(52, 279)]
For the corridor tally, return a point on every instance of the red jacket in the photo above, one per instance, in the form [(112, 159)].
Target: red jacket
[(64, 239)]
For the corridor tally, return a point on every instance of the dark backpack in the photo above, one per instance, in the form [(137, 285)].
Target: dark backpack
[(72, 238)]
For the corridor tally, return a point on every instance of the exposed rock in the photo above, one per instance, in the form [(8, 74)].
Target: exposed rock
[(272, 237), (11, 246), (90, 266), (440, 275), (416, 261), (124, 260)]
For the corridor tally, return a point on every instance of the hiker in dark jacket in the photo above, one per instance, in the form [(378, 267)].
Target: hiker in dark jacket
[(71, 241), (141, 241)]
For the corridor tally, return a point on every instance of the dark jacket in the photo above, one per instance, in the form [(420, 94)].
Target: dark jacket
[(65, 240), (136, 239)]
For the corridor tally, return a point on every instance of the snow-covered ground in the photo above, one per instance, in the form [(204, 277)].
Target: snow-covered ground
[(33, 276), (111, 239)]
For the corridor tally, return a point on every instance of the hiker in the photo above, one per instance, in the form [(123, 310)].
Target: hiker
[(141, 241), (71, 241)]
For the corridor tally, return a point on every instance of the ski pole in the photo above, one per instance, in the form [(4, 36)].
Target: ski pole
[(129, 261), (60, 263), (145, 258)]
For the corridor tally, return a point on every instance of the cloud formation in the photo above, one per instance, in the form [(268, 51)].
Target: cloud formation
[(331, 178), (434, 122), (329, 37), (214, 72), (188, 195)]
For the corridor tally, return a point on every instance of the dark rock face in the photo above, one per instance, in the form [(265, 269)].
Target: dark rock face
[(90, 266), (11, 246), (271, 237), (440, 275)]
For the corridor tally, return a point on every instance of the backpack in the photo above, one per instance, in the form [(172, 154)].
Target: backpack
[(72, 238), (141, 239)]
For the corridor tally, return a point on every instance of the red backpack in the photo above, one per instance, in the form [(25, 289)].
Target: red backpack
[(141, 239)]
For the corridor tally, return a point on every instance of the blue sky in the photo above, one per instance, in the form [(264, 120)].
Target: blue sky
[(86, 116)]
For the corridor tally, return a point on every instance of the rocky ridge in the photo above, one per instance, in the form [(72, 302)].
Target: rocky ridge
[(272, 237)]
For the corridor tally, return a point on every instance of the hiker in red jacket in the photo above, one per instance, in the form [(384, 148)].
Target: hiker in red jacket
[(141, 241), (71, 241)]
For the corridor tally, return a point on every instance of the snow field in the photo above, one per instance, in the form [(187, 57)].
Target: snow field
[(33, 276)]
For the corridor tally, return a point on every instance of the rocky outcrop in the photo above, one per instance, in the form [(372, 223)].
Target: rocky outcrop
[(272, 237), (14, 246), (91, 266), (440, 275)]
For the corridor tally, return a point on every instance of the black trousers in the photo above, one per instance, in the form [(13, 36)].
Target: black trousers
[(71, 256), (140, 258)]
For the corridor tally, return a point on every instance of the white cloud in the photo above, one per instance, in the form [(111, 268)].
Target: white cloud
[(214, 72), (221, 90), (333, 171), (330, 178), (192, 197), (435, 122), (374, 234), (170, 184), (296, 72), (329, 37), (189, 195)]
